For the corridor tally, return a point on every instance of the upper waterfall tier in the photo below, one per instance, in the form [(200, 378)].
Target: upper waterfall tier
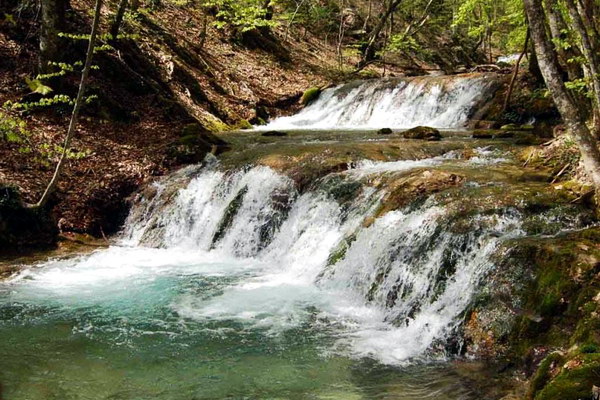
[(439, 102)]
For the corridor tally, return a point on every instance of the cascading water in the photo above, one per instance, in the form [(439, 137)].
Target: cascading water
[(232, 283), (439, 102), (398, 286)]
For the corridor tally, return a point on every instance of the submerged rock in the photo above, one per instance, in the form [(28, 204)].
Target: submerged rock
[(422, 132)]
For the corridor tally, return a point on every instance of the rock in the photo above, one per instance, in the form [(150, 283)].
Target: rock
[(504, 135), (482, 134), (422, 132), (385, 131), (310, 95), (274, 134), (526, 127), (243, 125), (483, 124), (509, 127), (191, 149)]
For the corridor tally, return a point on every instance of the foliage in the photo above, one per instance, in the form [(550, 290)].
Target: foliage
[(245, 15), (403, 44), (502, 20), (12, 129)]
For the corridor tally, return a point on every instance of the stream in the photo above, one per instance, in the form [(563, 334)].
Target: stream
[(323, 265)]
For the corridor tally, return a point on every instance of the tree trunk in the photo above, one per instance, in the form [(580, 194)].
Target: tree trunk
[(116, 25), (589, 52), (78, 102), (516, 73), (566, 105), (557, 26), (204, 30), (52, 23), (369, 51)]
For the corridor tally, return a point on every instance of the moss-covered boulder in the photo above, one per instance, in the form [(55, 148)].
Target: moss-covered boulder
[(422, 132), (310, 95)]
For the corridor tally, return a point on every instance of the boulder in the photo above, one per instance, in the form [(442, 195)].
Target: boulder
[(422, 132), (310, 95), (385, 131)]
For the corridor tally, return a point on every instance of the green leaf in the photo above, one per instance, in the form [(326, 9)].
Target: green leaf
[(36, 86)]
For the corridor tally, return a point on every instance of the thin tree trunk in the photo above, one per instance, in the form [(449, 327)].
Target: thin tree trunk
[(566, 105), (341, 32), (116, 25), (369, 51), (287, 30), (204, 30), (78, 102), (516, 72)]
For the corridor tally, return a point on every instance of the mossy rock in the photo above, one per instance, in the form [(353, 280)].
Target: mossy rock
[(509, 127), (422, 132), (575, 381), (310, 95), (229, 215), (243, 125), (544, 373)]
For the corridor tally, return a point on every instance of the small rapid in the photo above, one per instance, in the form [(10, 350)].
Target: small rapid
[(400, 103)]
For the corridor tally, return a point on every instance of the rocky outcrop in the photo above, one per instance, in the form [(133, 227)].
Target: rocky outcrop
[(541, 311)]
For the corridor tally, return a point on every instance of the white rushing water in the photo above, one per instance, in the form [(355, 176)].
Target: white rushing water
[(392, 290), (439, 102)]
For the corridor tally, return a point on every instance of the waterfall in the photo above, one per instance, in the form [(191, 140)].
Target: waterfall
[(439, 102), (397, 286)]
